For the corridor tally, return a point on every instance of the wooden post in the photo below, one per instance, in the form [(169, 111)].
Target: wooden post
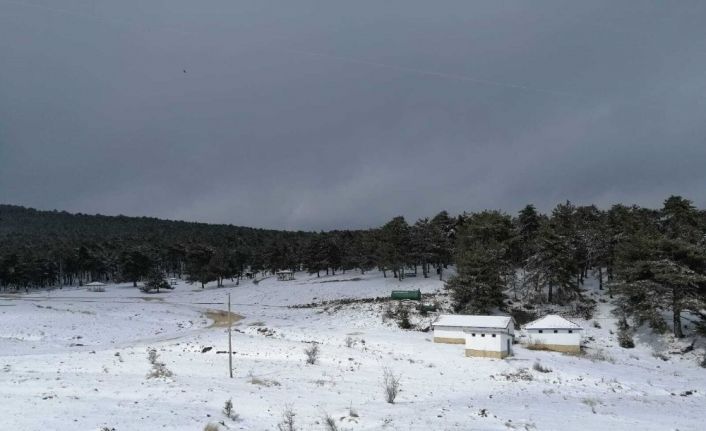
[(230, 342)]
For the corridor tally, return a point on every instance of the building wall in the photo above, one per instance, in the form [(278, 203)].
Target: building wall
[(449, 334), (562, 338), (484, 344), (485, 354)]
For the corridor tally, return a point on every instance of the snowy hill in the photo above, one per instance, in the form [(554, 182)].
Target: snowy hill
[(78, 360)]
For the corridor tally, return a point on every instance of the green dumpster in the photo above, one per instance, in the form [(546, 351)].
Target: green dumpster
[(414, 295)]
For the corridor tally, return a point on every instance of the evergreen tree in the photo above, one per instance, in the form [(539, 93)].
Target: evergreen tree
[(664, 270), (219, 266), (134, 265), (483, 263), (528, 224), (198, 258), (394, 246), (443, 238), (315, 255), (553, 266), (155, 281), (422, 245)]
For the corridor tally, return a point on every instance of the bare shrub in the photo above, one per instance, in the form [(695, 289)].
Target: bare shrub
[(330, 422), (389, 312), (229, 412), (585, 309), (521, 374), (540, 368), (624, 334), (158, 368), (287, 423), (312, 354), (262, 382), (661, 356), (152, 356), (159, 371), (391, 384), (599, 355), (403, 317), (592, 403), (625, 339)]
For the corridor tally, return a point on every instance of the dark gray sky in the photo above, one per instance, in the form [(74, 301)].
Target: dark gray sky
[(323, 114)]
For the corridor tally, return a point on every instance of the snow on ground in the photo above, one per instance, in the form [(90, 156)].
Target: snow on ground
[(77, 360)]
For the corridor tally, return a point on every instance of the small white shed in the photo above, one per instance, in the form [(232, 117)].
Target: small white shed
[(556, 333), (285, 275), (484, 336), (95, 286)]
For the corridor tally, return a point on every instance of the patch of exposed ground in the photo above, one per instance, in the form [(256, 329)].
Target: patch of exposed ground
[(221, 318)]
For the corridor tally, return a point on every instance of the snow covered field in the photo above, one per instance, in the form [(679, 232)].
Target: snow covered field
[(77, 360)]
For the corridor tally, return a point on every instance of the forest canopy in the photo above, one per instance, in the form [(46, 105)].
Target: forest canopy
[(652, 260)]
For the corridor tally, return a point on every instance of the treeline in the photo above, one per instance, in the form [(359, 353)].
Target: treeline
[(652, 260), (40, 249)]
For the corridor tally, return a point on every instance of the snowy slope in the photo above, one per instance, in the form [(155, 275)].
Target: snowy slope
[(49, 381)]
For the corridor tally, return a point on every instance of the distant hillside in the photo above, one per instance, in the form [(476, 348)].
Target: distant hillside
[(18, 220), (46, 248)]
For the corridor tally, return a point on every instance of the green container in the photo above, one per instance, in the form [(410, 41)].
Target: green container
[(414, 295)]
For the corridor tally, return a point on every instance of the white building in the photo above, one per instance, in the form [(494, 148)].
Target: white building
[(95, 286), (484, 336), (285, 275), (553, 332)]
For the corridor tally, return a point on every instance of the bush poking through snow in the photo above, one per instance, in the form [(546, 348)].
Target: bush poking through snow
[(660, 355), (540, 368), (312, 354), (624, 335), (599, 355), (287, 423), (403, 317), (391, 384), (350, 341), (389, 312), (591, 402), (228, 410), (330, 422), (521, 374), (158, 368), (152, 356), (625, 339)]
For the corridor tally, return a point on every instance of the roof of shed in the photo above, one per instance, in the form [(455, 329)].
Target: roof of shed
[(552, 321), (473, 321)]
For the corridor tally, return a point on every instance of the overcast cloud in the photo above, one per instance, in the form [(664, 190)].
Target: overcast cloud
[(325, 114)]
